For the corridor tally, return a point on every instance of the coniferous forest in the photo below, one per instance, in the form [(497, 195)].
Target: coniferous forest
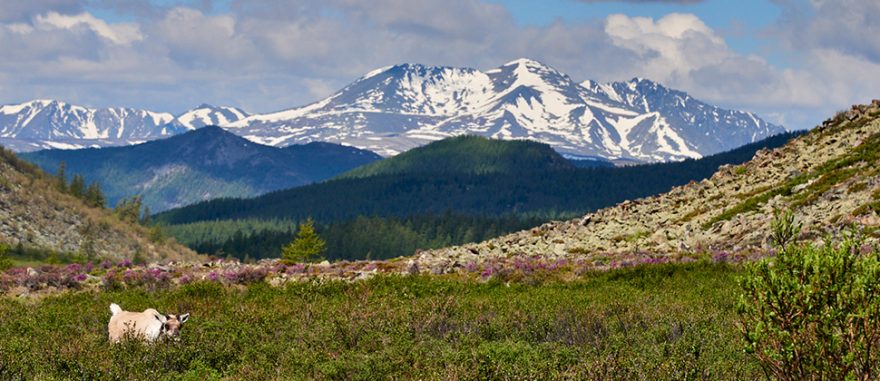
[(402, 204)]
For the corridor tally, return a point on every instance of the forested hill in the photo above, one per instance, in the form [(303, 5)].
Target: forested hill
[(200, 165), (468, 155), (556, 192)]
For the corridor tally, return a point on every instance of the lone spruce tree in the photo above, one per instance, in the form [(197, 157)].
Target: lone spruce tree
[(307, 246)]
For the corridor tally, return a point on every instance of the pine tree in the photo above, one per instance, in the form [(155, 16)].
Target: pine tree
[(307, 246), (77, 186), (61, 177), (146, 219), (94, 196)]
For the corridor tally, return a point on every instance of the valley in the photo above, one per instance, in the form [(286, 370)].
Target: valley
[(439, 190)]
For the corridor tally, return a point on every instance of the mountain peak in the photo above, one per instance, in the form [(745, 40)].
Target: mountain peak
[(524, 61)]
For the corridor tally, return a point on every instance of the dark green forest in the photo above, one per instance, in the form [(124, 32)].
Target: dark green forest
[(359, 238), (411, 205), (532, 189)]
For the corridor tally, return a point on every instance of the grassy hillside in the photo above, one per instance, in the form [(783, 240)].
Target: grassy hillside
[(200, 165), (36, 217), (556, 191), (667, 322), (468, 155)]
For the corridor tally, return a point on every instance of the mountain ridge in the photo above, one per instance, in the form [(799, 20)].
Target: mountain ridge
[(396, 108), (399, 107), (201, 164)]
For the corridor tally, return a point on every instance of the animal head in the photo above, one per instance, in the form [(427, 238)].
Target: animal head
[(172, 324)]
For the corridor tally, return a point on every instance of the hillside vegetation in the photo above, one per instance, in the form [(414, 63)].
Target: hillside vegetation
[(469, 155), (829, 178), (36, 216), (539, 185)]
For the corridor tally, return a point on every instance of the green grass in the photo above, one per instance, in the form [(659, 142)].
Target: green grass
[(650, 322)]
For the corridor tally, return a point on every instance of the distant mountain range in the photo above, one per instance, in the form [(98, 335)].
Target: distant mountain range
[(396, 108), (48, 124), (199, 165)]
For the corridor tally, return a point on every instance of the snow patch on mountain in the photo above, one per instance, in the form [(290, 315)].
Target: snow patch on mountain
[(396, 108)]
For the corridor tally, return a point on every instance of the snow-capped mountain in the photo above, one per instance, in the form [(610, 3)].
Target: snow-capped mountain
[(208, 115), (396, 108), (54, 124), (43, 124)]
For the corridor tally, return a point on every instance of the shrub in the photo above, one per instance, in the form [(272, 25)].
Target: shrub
[(813, 312), (5, 262)]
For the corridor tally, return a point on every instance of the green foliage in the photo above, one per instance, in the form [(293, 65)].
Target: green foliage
[(813, 313), (362, 237), (550, 192), (307, 247), (469, 155), (657, 323), (61, 177), (155, 234), (5, 261), (784, 231), (77, 186), (129, 209), (94, 197)]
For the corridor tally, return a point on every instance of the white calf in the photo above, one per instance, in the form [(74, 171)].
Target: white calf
[(148, 325)]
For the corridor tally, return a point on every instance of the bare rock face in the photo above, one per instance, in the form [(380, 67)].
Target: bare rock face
[(828, 177)]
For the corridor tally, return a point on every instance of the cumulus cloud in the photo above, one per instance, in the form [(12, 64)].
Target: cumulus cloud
[(272, 54), (120, 33)]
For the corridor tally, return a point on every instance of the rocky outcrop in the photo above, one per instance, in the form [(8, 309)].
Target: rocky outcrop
[(35, 215), (828, 177)]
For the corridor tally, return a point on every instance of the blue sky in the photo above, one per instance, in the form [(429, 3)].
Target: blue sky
[(792, 61), (738, 20)]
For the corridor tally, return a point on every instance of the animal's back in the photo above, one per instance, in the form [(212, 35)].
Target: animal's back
[(145, 324)]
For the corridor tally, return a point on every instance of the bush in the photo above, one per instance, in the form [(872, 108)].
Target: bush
[(5, 262), (813, 312)]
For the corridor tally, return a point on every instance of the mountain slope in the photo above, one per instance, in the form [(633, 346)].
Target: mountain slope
[(393, 109), (828, 177), (471, 155), (420, 187), (200, 165), (35, 215)]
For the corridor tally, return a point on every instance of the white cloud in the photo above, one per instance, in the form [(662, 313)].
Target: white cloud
[(272, 54), (119, 33)]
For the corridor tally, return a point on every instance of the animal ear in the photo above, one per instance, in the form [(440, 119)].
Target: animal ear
[(161, 318), (183, 318)]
